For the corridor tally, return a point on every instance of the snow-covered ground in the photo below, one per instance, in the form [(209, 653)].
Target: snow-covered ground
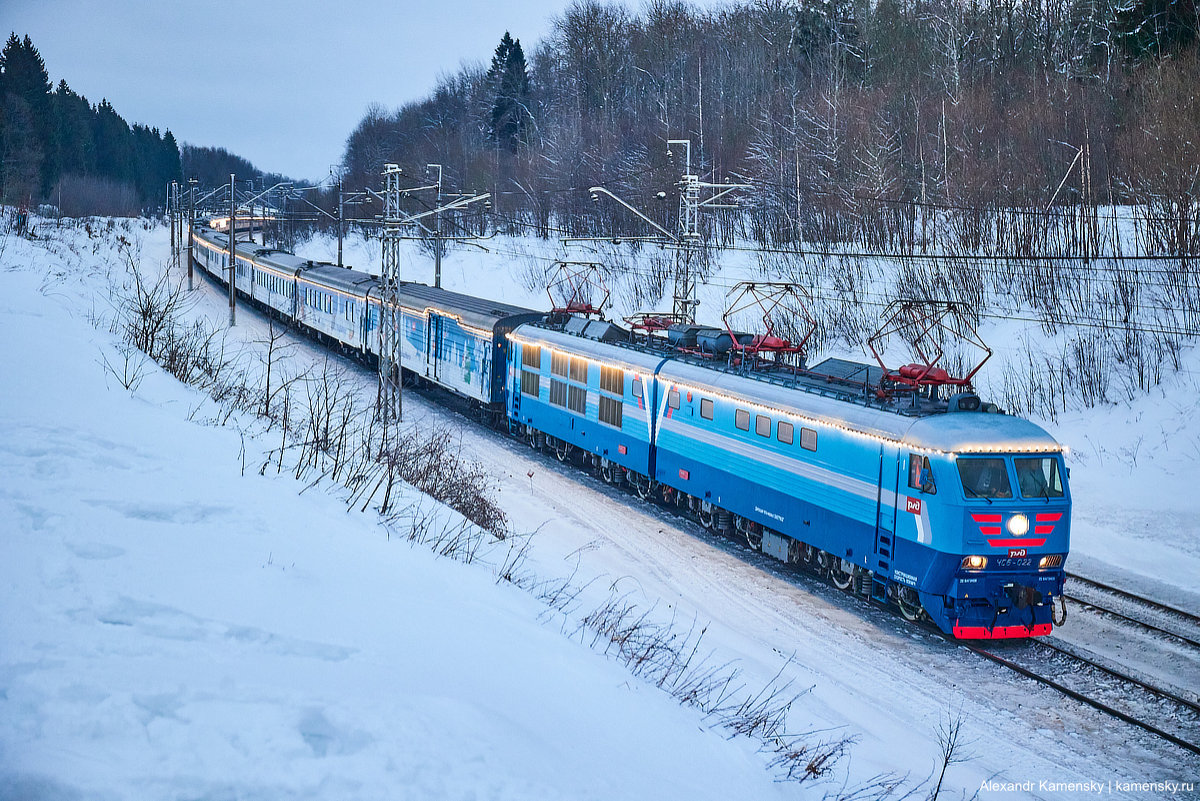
[(172, 628)]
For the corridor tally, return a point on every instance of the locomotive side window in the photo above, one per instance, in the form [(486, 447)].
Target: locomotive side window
[(984, 478), (579, 370), (762, 425), (577, 399), (531, 383), (637, 386), (610, 411), (1039, 477), (706, 408), (785, 432), (612, 379), (558, 392), (531, 356), (808, 439), (741, 419), (558, 364), (673, 399)]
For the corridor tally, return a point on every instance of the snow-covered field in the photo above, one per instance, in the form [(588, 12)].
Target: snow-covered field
[(172, 628)]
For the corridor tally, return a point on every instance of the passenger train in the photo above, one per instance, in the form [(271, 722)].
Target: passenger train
[(948, 509)]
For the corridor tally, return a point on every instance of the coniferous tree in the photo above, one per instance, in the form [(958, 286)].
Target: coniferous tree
[(1156, 28), (509, 78), (114, 145), (27, 129), (75, 146)]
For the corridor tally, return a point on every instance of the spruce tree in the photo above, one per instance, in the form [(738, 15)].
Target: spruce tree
[(114, 145), (26, 136), (509, 79), (1148, 29)]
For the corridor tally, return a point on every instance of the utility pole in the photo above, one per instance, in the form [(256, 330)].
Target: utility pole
[(341, 212), (388, 405), (688, 237), (684, 302), (232, 250), (191, 205), (437, 230), (690, 204), (172, 201)]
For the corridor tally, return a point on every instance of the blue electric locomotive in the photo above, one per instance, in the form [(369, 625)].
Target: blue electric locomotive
[(945, 509)]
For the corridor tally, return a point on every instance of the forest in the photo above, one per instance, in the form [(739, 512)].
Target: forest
[(59, 148), (902, 125)]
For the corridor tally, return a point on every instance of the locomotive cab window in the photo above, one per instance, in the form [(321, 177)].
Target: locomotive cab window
[(920, 474), (706, 408), (1039, 477), (741, 419), (984, 478)]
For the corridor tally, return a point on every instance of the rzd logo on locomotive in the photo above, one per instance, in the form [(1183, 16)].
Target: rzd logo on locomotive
[(913, 505)]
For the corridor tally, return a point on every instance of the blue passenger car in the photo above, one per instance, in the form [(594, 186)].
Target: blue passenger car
[(457, 341)]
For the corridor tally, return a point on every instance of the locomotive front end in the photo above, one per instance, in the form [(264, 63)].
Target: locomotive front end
[(995, 517), (1016, 530)]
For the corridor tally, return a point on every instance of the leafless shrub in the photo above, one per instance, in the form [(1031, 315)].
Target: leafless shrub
[(953, 749), (130, 373), (669, 656)]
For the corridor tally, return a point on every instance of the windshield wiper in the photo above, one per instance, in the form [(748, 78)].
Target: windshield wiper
[(976, 494)]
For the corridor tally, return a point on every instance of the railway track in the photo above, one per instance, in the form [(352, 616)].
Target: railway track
[(1127, 698), (1145, 613)]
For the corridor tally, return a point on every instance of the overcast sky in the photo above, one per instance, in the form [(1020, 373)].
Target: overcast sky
[(263, 79)]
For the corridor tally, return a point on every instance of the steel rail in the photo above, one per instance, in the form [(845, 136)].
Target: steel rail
[(1165, 608), (1087, 700)]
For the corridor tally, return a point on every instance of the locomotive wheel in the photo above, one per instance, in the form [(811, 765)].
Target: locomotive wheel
[(644, 488), (795, 552), (840, 578), (910, 604), (706, 518), (607, 474), (754, 538), (562, 451)]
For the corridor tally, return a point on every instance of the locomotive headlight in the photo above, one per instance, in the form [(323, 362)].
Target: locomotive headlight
[(974, 562), (1018, 525), (1053, 560)]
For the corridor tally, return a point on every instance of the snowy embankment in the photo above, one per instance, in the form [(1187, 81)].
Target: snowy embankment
[(172, 628)]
